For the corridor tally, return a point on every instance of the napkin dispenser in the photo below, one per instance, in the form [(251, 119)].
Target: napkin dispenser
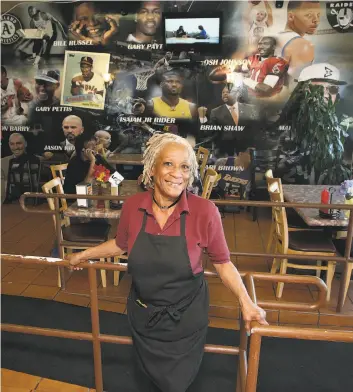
[(84, 188)]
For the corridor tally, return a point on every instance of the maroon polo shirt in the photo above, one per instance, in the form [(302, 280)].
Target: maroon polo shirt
[(204, 228)]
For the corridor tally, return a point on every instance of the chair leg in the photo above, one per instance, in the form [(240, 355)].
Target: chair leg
[(275, 265), (271, 237), (318, 272), (59, 278), (103, 275), (116, 273), (61, 270), (346, 283), (282, 271), (330, 273), (254, 214)]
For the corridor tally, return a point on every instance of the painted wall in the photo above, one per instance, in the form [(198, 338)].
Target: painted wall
[(264, 51)]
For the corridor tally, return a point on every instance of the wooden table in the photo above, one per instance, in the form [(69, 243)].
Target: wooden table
[(125, 159), (126, 188), (312, 194)]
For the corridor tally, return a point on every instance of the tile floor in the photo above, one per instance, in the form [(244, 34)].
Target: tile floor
[(20, 382), (19, 237)]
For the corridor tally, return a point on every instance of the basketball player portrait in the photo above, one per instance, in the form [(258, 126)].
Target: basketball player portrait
[(148, 19), (13, 95), (90, 26), (169, 104), (259, 19), (49, 26), (303, 18)]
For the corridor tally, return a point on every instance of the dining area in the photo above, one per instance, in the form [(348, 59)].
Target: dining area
[(286, 239), (85, 223)]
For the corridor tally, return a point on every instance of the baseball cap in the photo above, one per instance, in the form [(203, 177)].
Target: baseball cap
[(86, 60), (51, 75), (322, 72)]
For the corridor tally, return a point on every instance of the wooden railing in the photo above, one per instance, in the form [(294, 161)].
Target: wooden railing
[(345, 259), (247, 364), (246, 380)]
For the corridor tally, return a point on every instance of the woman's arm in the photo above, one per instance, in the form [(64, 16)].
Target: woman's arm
[(218, 252), (107, 249), (232, 279)]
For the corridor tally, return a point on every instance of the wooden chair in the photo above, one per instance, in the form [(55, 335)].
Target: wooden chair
[(202, 156), (210, 181), (57, 171), (298, 243), (261, 162), (78, 236), (340, 245), (295, 222)]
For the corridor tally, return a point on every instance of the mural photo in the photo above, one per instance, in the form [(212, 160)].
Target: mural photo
[(84, 75), (229, 76)]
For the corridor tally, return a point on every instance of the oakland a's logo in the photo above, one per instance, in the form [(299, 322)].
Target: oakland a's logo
[(9, 29), (340, 15)]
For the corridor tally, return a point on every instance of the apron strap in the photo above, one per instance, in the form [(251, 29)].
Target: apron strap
[(143, 227), (182, 224), (174, 311)]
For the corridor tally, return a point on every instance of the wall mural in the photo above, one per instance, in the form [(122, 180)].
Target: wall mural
[(228, 75)]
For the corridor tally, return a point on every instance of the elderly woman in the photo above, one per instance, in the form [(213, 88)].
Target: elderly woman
[(165, 230)]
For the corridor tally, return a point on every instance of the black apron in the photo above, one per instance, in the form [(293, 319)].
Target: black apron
[(167, 310)]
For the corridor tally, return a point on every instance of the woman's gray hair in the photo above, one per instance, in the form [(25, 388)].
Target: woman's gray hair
[(155, 145)]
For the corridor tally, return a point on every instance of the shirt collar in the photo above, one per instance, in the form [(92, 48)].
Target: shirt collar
[(235, 106), (181, 206)]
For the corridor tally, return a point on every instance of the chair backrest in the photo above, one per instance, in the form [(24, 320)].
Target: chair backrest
[(23, 176), (279, 215), (269, 174), (211, 179), (57, 171), (202, 156), (262, 161), (49, 188)]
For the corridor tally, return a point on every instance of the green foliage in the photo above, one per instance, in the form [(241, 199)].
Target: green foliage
[(316, 132)]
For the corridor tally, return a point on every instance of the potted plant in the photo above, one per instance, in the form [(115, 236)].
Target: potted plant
[(316, 134)]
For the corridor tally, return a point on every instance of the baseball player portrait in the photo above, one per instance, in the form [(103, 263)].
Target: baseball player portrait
[(87, 82), (84, 79)]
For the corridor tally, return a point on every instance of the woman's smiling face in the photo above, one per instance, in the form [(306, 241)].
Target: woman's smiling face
[(171, 171)]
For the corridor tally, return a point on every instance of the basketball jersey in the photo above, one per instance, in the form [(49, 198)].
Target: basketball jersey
[(11, 112), (162, 109), (44, 25), (283, 40), (257, 30), (91, 86)]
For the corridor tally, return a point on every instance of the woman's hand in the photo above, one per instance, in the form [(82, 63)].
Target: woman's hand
[(252, 312), (75, 259)]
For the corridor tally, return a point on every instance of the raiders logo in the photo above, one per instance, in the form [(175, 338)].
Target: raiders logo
[(328, 72), (340, 15), (10, 27)]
